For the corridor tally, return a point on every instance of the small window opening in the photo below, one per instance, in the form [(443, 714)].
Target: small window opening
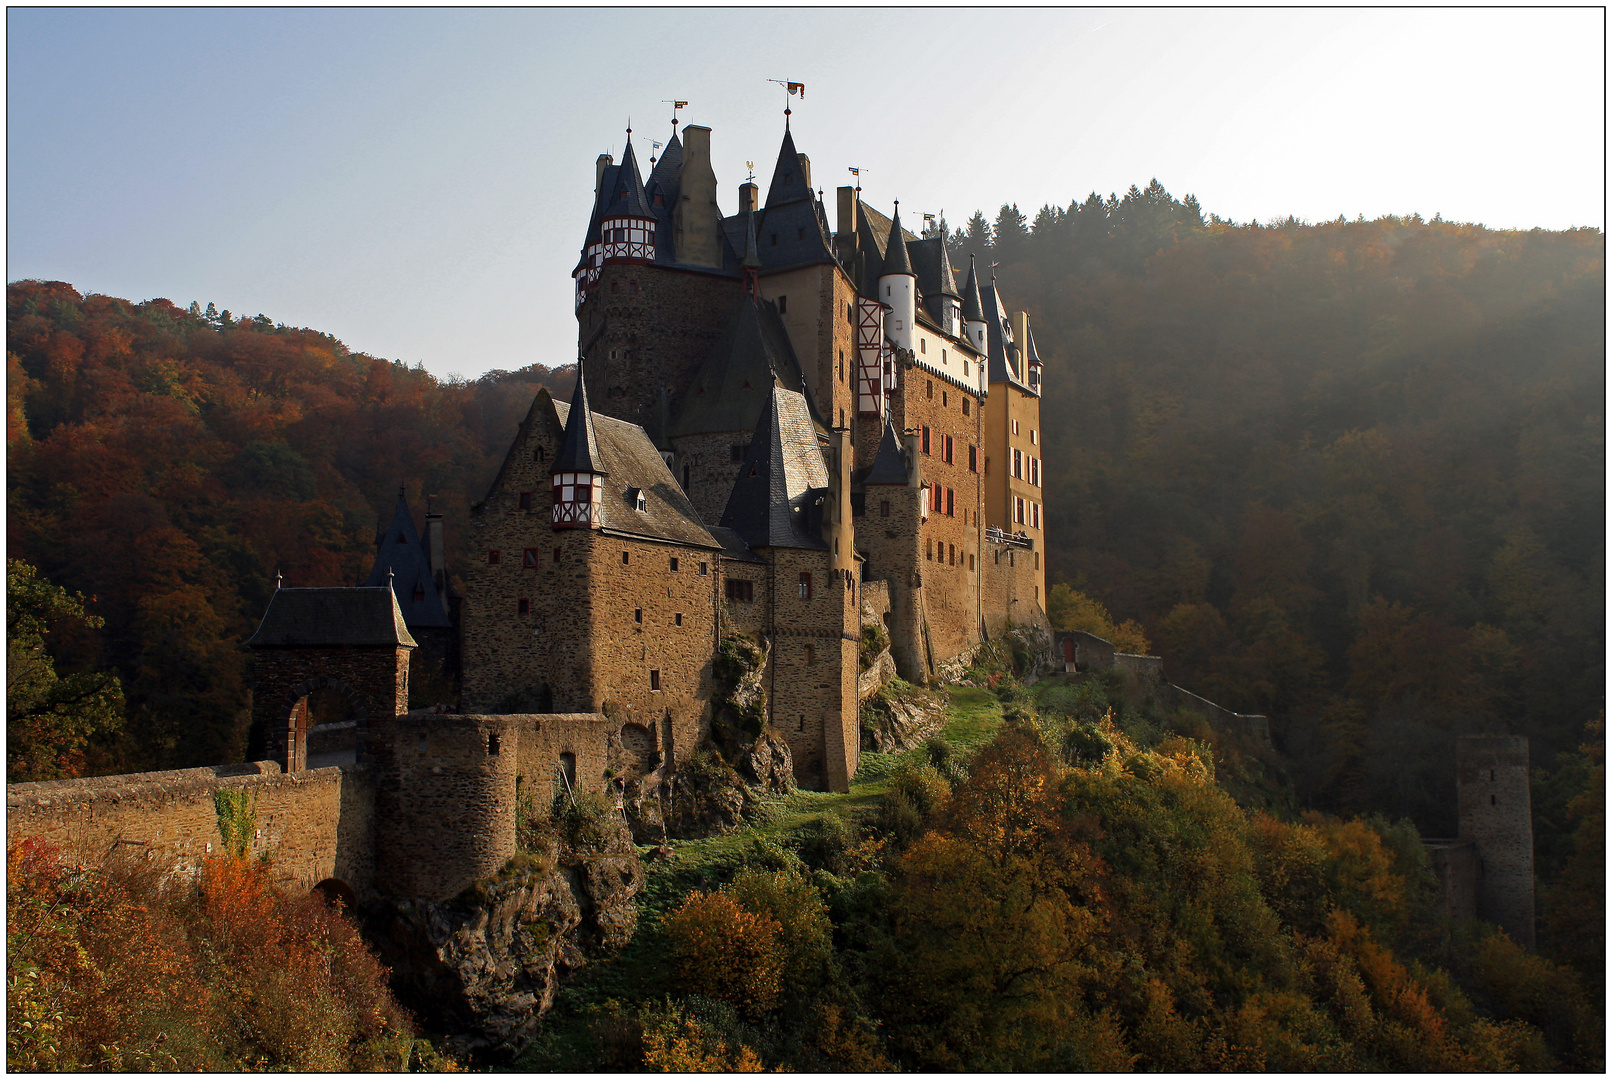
[(626, 557), (654, 679), (492, 742), (638, 615), (811, 655), (674, 564), (783, 305), (705, 569), (677, 619), (492, 558), (523, 606)]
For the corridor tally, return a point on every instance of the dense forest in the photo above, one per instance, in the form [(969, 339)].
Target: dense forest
[(1348, 474)]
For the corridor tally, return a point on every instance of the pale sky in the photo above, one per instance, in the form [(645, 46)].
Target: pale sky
[(417, 181)]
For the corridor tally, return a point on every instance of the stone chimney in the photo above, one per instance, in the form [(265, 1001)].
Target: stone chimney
[(436, 549), (604, 162), (805, 169), (748, 191), (847, 212), (696, 221)]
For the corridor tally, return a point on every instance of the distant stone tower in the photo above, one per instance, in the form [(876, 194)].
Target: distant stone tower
[(1496, 817)]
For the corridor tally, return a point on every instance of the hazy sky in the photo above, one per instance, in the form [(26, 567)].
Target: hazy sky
[(417, 182)]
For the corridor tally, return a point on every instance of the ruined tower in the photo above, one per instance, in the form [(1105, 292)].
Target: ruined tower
[(1496, 817)]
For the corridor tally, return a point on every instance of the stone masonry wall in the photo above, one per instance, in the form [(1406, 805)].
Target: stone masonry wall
[(708, 463), (313, 824), (647, 327), (1495, 816), (890, 543), (813, 699), (950, 542), (654, 633), (445, 802)]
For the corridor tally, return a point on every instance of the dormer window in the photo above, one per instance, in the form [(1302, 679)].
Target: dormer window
[(636, 499)]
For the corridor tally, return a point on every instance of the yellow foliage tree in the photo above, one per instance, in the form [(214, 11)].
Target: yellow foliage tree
[(1071, 609)]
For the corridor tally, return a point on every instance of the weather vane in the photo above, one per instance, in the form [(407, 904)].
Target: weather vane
[(676, 105), (856, 171)]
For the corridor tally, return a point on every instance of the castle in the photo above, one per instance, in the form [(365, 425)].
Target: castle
[(772, 418)]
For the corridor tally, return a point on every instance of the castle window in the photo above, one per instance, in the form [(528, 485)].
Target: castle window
[(929, 550), (929, 389), (987, 466), (1010, 558), (811, 655), (774, 239), (943, 356), (736, 452), (965, 405), (842, 365), (1018, 465), (674, 564), (884, 508), (626, 557), (923, 438), (529, 558), (705, 569), (805, 585), (971, 563), (1036, 592), (492, 558), (660, 200), (951, 450), (492, 743), (538, 454), (800, 233), (556, 554), (419, 595), (973, 454), (741, 591), (1018, 511), (632, 288), (654, 679), (951, 502), (1015, 427), (523, 606), (1038, 560), (638, 615), (783, 304), (944, 400), (615, 287), (685, 477), (965, 369), (526, 500), (887, 290), (923, 345), (677, 619), (951, 554), (842, 418)]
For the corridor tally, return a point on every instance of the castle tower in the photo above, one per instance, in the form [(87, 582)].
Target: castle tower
[(973, 311), (1496, 817), (578, 470), (626, 223), (898, 288)]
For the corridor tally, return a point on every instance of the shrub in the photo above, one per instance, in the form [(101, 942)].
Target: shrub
[(804, 930), (826, 842), (874, 640), (725, 952)]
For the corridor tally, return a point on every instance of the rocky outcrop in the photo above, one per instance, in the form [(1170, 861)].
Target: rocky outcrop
[(765, 765), (484, 966), (901, 716)]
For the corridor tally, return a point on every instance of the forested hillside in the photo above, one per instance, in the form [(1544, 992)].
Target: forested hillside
[(167, 463), (1348, 474)]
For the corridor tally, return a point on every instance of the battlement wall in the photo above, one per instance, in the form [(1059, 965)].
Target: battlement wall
[(314, 824)]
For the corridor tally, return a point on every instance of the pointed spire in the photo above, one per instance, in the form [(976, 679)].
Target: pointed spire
[(279, 578), (788, 178), (889, 464), (626, 197), (896, 260), (579, 452), (973, 310), (948, 280)]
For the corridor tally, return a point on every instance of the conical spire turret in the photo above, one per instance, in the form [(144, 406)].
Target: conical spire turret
[(896, 259), (973, 310), (579, 452)]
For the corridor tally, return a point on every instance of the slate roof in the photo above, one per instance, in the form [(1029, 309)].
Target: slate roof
[(630, 460), (932, 268), (670, 165), (1003, 353), (625, 196), (972, 311), (579, 451), (889, 464), (667, 181), (733, 545), (896, 260), (362, 616), (777, 499), (788, 180), (792, 228), (399, 550), (733, 385)]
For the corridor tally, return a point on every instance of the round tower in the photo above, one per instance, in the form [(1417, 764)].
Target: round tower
[(1496, 816), (973, 311), (898, 288)]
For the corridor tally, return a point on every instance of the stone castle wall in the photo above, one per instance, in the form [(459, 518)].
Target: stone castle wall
[(314, 824)]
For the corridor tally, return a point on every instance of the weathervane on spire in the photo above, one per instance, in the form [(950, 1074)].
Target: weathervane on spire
[(752, 167), (791, 89), (675, 104), (856, 171)]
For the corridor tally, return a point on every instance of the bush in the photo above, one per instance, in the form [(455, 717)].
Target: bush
[(128, 966), (826, 842), (804, 930), (875, 639), (726, 952)]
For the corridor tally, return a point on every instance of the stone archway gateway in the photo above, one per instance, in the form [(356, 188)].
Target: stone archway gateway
[(349, 640)]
